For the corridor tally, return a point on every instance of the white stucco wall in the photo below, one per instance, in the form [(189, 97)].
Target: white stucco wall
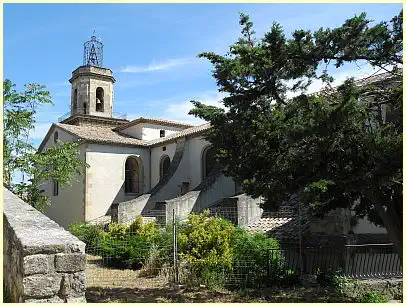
[(134, 131), (148, 131), (156, 155), (196, 147), (106, 175), (68, 206), (192, 172), (151, 131)]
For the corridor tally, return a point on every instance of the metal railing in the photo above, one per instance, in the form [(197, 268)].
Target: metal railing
[(372, 261), (62, 118), (352, 261), (116, 115)]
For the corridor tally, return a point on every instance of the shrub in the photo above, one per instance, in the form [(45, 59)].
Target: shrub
[(118, 231), (373, 297), (135, 245), (88, 233), (130, 251), (218, 254), (153, 264), (206, 240), (256, 258), (339, 286), (148, 230), (205, 243)]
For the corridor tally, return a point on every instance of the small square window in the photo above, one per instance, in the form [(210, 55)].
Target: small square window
[(163, 148), (162, 133)]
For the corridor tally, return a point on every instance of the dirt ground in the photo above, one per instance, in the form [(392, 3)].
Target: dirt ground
[(129, 286)]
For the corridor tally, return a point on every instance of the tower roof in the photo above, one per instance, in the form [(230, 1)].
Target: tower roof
[(93, 52)]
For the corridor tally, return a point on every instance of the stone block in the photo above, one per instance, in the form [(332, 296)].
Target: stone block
[(38, 264), (55, 299), (73, 262), (42, 286), (76, 300), (73, 285)]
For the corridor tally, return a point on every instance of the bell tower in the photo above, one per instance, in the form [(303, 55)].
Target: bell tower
[(92, 84)]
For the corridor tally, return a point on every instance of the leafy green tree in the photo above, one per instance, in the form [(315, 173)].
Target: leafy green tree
[(328, 148), (61, 163)]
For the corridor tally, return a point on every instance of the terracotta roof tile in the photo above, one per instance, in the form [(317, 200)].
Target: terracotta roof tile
[(108, 135), (154, 121), (284, 223), (100, 134), (267, 224), (186, 132)]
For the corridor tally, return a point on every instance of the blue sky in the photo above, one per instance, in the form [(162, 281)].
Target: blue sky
[(151, 48)]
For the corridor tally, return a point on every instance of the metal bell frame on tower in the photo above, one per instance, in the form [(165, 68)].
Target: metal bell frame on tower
[(93, 52)]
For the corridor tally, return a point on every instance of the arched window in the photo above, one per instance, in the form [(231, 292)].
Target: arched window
[(132, 176), (208, 161), (164, 166), (75, 99), (99, 99)]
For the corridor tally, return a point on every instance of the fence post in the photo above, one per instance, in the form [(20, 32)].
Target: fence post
[(175, 249), (174, 245), (268, 269)]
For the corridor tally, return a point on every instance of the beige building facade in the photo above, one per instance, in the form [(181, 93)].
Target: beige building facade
[(127, 160)]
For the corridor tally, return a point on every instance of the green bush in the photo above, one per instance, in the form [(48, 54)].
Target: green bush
[(212, 251), (205, 244), (88, 233), (218, 254), (129, 251), (118, 231), (339, 286), (135, 245), (206, 240), (256, 259), (148, 230), (373, 297)]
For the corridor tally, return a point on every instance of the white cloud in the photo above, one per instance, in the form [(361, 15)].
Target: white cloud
[(154, 66), (179, 111)]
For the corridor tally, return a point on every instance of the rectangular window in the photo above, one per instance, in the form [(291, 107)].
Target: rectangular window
[(55, 188), (162, 133)]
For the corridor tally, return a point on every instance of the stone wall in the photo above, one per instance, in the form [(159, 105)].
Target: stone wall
[(42, 263), (240, 209), (208, 193), (336, 221)]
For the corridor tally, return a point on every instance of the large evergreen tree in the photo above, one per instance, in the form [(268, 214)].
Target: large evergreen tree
[(341, 147)]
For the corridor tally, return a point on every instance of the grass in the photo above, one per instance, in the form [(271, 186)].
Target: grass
[(109, 285), (202, 295)]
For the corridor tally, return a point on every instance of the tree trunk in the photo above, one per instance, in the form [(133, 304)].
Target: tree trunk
[(392, 221)]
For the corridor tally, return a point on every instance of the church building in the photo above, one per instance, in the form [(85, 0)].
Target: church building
[(155, 168), (148, 167)]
